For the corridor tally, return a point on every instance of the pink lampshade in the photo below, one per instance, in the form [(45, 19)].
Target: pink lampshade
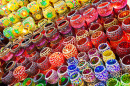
[(32, 69), (90, 15), (105, 9), (43, 63)]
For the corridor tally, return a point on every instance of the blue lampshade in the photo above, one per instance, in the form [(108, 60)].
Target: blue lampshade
[(76, 79), (72, 61), (72, 68), (101, 73), (113, 67), (99, 84)]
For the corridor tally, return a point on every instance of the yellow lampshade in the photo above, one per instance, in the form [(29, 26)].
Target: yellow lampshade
[(53, 1), (22, 2), (49, 12), (14, 18), (4, 10), (107, 55), (33, 7), (42, 23), (60, 7), (17, 29), (3, 2), (84, 2), (37, 15), (43, 3), (12, 6), (73, 3)]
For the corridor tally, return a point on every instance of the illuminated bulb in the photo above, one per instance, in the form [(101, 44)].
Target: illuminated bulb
[(24, 13)]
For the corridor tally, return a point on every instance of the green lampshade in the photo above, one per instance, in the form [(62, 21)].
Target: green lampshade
[(5, 22), (40, 78), (29, 23), (4, 10), (64, 81), (18, 84), (8, 32), (125, 79), (113, 82), (28, 82), (1, 11), (40, 84), (8, 0), (23, 12)]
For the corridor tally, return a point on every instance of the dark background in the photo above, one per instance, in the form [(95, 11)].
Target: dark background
[(2, 84)]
